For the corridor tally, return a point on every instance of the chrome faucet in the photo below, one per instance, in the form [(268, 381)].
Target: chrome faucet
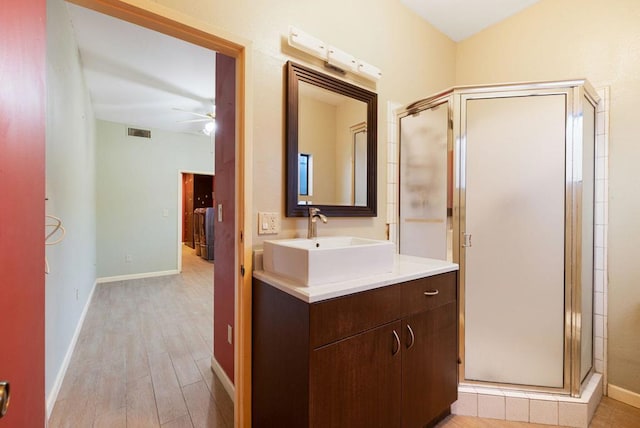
[(314, 215)]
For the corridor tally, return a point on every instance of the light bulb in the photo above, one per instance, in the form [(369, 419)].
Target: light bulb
[(209, 128)]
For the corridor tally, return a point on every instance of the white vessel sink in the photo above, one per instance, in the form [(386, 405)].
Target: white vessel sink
[(328, 259)]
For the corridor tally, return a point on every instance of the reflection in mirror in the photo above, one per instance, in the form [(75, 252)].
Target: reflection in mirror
[(331, 145), (325, 133)]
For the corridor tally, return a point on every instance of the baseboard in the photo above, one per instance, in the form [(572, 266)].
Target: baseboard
[(116, 278), (628, 397), (226, 382), (53, 395)]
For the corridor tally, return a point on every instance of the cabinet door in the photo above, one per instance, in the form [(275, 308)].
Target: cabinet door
[(356, 382), (429, 364)]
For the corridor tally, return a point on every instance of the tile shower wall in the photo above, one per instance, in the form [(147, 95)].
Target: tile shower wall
[(514, 405), (393, 159), (601, 233)]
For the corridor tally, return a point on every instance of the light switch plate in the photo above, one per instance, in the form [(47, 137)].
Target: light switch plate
[(268, 223)]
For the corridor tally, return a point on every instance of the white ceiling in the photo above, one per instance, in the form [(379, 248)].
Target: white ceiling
[(140, 77), (460, 19)]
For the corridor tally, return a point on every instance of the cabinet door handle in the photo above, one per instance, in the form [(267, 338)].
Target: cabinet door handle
[(431, 293), (396, 348), (412, 336)]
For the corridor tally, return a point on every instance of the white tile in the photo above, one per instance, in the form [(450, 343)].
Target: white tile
[(517, 409), (599, 216), (543, 412), (598, 303), (595, 397), (599, 236), (467, 404), (598, 348), (392, 132), (392, 173), (598, 325), (600, 146), (599, 258), (599, 190), (392, 152), (491, 406), (600, 124), (601, 167), (573, 415), (393, 234), (599, 281), (599, 366)]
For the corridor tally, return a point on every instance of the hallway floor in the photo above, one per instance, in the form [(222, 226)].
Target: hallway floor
[(143, 358)]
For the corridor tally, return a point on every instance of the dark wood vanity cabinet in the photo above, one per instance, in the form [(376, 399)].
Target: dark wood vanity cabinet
[(380, 358)]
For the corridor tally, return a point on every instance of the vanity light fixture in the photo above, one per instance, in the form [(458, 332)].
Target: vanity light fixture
[(368, 70), (333, 57), (341, 59), (305, 42)]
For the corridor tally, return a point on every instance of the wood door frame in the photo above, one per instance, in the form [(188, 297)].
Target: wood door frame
[(149, 14), (181, 174)]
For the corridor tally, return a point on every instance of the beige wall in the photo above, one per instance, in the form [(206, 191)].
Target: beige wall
[(350, 113), (564, 39), (317, 137), (416, 60)]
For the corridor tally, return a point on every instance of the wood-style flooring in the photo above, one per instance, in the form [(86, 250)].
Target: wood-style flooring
[(143, 357)]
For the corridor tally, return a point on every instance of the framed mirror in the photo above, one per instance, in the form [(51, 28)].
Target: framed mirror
[(331, 147)]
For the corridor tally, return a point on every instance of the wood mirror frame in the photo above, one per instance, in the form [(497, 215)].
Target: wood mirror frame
[(295, 74)]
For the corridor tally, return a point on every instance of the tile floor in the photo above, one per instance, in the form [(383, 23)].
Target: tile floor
[(143, 358)]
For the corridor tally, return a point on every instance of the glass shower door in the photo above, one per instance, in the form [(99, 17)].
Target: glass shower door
[(426, 184), (514, 212)]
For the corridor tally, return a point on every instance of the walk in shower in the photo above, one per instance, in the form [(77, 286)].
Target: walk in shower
[(500, 179)]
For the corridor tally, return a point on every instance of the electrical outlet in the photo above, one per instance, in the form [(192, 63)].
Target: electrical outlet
[(128, 258), (229, 334), (268, 223)]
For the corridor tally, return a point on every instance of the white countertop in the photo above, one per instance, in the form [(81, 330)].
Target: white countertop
[(406, 268)]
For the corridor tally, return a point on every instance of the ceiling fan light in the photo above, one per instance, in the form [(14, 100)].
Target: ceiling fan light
[(209, 127)]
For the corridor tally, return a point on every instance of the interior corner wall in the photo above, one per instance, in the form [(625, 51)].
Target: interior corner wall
[(137, 197), (600, 41), (70, 189)]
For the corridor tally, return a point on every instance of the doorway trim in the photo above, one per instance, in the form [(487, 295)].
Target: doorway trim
[(150, 15)]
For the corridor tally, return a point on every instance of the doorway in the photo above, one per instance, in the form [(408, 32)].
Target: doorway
[(233, 208), (196, 193)]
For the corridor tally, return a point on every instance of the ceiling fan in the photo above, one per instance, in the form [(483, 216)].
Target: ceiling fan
[(209, 118)]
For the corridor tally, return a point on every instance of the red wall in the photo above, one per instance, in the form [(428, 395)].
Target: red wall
[(22, 151), (224, 244)]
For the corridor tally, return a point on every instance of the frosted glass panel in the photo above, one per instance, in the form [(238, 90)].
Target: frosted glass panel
[(515, 181), (588, 175), (423, 183)]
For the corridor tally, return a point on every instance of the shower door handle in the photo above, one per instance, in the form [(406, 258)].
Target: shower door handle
[(466, 240)]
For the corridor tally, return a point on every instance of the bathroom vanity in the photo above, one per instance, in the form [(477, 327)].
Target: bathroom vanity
[(377, 351)]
